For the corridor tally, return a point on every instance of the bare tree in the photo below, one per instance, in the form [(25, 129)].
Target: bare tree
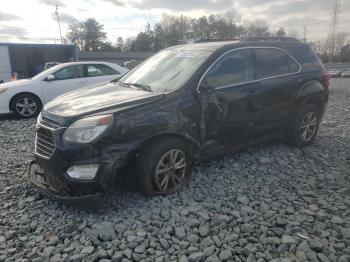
[(293, 33), (257, 28), (320, 46), (340, 40)]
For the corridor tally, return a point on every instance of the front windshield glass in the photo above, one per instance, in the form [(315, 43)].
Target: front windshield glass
[(167, 70)]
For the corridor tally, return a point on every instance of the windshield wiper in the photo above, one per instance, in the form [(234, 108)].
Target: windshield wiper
[(141, 86)]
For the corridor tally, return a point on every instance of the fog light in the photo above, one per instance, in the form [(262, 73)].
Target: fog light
[(83, 171)]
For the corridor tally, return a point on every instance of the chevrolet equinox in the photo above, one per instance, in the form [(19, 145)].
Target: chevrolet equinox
[(183, 105)]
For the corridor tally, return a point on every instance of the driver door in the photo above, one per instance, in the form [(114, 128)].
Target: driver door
[(227, 115), (65, 80)]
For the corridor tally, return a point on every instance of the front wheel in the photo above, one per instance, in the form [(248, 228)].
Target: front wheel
[(26, 105), (163, 167), (305, 126)]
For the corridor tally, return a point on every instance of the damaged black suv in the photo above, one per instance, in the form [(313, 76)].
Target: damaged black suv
[(183, 105)]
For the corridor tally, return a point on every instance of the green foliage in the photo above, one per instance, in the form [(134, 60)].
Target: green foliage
[(88, 36)]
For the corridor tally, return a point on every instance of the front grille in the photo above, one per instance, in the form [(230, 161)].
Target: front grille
[(44, 144), (48, 123)]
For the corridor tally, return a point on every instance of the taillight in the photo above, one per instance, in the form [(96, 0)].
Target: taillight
[(326, 78)]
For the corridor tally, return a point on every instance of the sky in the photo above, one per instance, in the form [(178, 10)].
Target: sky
[(35, 21)]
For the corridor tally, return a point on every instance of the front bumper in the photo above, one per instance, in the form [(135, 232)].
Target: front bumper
[(86, 201)]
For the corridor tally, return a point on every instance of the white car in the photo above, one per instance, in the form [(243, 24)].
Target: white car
[(346, 73), (26, 97)]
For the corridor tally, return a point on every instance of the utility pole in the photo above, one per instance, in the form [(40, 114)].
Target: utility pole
[(305, 33), (334, 26), (181, 30), (59, 23)]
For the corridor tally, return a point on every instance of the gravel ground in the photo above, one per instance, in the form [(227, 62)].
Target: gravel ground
[(268, 203)]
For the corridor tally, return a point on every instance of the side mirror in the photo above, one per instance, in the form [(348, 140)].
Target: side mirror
[(204, 85), (49, 78)]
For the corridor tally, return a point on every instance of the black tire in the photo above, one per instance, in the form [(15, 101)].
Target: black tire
[(149, 159), (296, 136), (30, 105)]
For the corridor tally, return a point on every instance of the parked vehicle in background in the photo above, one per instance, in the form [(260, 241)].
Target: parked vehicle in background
[(183, 105), (335, 72), (19, 61), (26, 97), (346, 73), (130, 64), (50, 64)]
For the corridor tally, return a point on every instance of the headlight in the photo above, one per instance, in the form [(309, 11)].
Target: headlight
[(87, 129), (2, 90)]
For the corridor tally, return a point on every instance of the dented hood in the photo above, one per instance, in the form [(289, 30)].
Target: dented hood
[(101, 97)]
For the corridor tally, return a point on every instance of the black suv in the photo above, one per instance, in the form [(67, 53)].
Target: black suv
[(185, 104)]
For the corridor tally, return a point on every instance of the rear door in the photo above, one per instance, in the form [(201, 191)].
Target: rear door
[(66, 79), (97, 73), (5, 64), (276, 75)]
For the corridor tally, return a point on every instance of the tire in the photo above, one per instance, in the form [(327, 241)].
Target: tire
[(156, 157), (305, 126), (26, 105)]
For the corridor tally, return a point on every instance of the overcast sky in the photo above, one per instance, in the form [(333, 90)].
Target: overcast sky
[(34, 20)]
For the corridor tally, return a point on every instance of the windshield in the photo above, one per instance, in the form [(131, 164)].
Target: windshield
[(167, 70)]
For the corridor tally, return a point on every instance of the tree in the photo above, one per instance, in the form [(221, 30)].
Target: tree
[(107, 46), (142, 43), (345, 53), (120, 44), (293, 33), (159, 37), (127, 43), (88, 36), (280, 32), (76, 36), (340, 39), (257, 28)]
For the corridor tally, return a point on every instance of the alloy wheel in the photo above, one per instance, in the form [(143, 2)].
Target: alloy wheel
[(26, 106), (170, 171), (308, 126)]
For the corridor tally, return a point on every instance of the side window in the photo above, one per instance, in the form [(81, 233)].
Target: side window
[(236, 67), (270, 62), (293, 66), (100, 70), (69, 72)]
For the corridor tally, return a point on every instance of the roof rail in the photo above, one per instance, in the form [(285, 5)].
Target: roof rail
[(270, 39), (216, 40)]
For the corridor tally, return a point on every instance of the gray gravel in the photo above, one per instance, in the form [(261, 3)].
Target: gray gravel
[(268, 203)]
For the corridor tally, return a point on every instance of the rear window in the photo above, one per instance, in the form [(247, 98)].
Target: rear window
[(271, 62), (100, 70), (293, 66)]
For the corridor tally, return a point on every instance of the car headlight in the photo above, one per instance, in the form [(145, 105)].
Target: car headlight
[(2, 90), (86, 130)]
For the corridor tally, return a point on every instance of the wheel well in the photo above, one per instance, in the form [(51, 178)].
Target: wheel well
[(11, 105), (316, 101)]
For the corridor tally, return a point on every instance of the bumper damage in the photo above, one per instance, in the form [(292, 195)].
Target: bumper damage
[(67, 197)]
